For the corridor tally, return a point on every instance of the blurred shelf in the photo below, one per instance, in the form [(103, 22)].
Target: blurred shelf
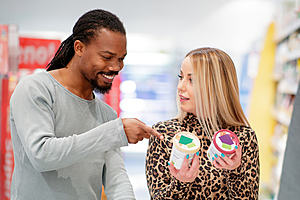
[(294, 55), (290, 56), (277, 76), (281, 117), (286, 31), (286, 87)]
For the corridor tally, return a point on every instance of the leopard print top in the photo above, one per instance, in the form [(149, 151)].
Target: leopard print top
[(211, 183)]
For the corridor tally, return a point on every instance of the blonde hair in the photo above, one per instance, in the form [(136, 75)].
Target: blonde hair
[(216, 90)]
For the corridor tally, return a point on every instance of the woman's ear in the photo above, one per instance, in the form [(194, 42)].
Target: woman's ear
[(79, 48)]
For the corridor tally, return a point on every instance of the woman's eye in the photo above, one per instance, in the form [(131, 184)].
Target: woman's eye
[(180, 77), (191, 81)]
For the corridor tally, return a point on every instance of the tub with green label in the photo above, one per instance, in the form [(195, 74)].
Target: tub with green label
[(184, 143)]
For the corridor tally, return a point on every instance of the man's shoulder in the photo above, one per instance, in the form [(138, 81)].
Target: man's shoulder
[(34, 85), (39, 78)]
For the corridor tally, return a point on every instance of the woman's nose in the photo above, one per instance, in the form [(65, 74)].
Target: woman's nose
[(181, 86)]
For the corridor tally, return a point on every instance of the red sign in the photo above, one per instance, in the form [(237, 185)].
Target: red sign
[(6, 150), (113, 97), (3, 49), (36, 53)]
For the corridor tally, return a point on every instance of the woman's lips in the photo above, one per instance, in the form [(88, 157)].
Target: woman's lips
[(183, 98)]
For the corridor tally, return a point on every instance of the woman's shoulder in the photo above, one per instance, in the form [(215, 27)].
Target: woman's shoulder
[(243, 132), (241, 129), (168, 126)]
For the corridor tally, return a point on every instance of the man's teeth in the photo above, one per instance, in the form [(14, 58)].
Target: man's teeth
[(109, 77)]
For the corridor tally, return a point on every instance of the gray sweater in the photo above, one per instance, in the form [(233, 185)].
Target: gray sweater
[(65, 147)]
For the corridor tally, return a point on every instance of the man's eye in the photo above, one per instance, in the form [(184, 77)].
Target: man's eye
[(107, 58)]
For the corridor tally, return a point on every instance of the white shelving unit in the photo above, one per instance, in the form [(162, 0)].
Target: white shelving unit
[(286, 87), (287, 31), (281, 117), (290, 56), (294, 55), (286, 76)]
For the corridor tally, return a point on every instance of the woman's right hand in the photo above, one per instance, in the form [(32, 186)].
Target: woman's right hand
[(186, 173)]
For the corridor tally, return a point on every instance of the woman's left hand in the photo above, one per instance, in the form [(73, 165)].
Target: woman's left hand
[(231, 162)]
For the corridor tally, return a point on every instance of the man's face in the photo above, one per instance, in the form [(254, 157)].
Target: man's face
[(102, 59)]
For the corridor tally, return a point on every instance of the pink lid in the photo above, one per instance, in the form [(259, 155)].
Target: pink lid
[(225, 139)]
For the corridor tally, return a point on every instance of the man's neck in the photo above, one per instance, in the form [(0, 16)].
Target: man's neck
[(73, 81)]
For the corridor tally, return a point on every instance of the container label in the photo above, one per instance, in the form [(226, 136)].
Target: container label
[(177, 157)]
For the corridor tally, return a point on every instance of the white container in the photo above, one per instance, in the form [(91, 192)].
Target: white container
[(184, 143), (224, 143)]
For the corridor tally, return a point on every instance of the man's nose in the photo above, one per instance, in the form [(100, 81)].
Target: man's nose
[(115, 66)]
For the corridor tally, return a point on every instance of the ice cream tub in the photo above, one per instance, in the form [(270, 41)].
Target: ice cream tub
[(184, 143), (224, 143)]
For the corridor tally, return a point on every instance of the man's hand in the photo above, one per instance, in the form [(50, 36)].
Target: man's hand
[(136, 130)]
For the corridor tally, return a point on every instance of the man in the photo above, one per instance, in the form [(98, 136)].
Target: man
[(66, 142)]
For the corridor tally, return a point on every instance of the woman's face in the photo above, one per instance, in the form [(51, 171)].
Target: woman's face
[(185, 87)]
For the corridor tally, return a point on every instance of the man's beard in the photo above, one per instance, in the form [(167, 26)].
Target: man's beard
[(101, 89)]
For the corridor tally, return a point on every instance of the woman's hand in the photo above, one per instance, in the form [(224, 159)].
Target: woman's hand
[(186, 173), (231, 162)]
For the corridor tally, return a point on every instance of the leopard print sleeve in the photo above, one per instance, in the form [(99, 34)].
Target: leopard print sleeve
[(243, 182), (160, 182)]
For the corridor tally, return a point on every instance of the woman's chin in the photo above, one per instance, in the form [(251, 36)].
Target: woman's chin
[(183, 109)]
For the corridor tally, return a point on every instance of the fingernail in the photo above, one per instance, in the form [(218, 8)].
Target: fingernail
[(168, 163), (161, 137), (216, 155), (213, 158), (197, 153), (187, 156), (222, 155), (236, 147)]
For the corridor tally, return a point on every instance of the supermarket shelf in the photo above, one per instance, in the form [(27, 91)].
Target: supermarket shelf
[(294, 55), (277, 76), (287, 31), (285, 77), (281, 117), (290, 56), (286, 87)]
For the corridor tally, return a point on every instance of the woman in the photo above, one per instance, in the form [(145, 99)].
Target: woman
[(208, 100)]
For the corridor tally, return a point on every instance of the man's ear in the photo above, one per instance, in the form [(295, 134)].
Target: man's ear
[(79, 48)]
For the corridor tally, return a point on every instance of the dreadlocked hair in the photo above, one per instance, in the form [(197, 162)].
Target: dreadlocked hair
[(84, 30)]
